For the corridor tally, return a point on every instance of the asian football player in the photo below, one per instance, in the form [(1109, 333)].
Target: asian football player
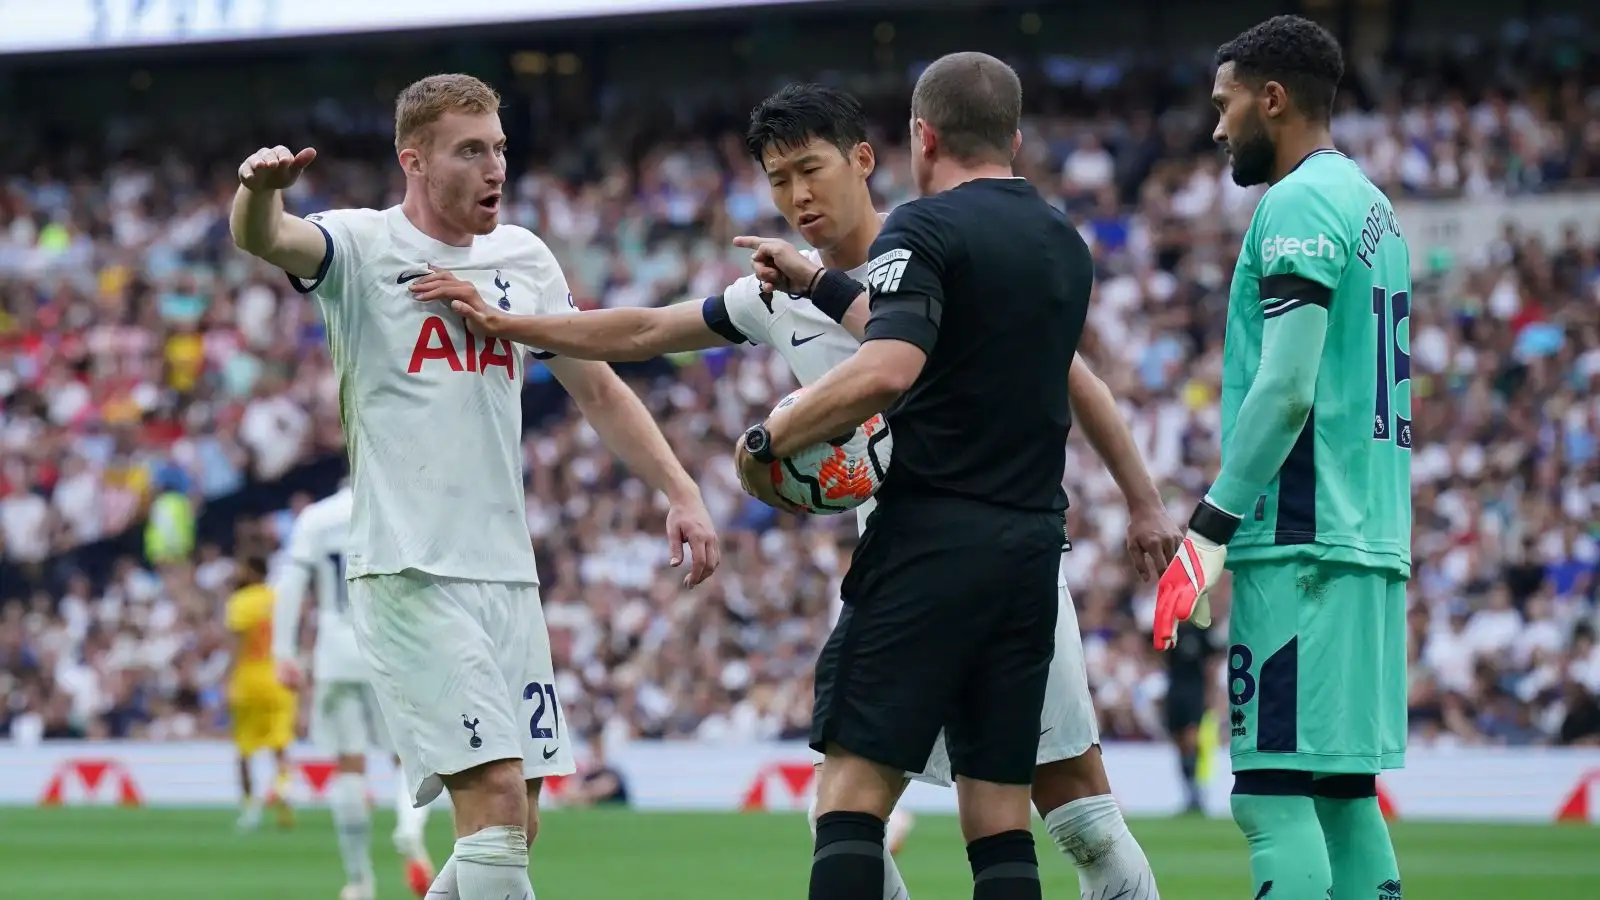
[(1312, 506), (811, 143), (443, 584), (262, 708), (345, 720)]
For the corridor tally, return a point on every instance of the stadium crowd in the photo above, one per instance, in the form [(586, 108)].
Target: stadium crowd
[(141, 355)]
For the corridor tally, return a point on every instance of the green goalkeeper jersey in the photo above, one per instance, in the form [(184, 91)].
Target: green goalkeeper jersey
[(1323, 236)]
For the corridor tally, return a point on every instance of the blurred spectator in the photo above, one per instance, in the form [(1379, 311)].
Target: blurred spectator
[(143, 361)]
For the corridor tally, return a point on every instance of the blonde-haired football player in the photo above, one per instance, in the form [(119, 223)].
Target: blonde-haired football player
[(261, 707), (444, 590)]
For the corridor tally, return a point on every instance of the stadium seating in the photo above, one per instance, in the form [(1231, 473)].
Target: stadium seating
[(140, 356)]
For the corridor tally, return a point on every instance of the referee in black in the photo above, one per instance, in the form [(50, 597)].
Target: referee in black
[(1190, 667), (975, 300)]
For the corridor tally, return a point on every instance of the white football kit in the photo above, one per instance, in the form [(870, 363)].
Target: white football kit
[(344, 709), (443, 589), (812, 344)]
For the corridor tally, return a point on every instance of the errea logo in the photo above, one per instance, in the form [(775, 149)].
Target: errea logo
[(1319, 246)]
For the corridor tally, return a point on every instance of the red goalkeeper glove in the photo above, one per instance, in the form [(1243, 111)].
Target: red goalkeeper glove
[(1182, 593)]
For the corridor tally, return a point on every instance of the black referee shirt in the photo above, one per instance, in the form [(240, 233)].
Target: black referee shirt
[(993, 284)]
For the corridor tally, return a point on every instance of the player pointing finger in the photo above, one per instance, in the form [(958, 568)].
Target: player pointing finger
[(779, 264)]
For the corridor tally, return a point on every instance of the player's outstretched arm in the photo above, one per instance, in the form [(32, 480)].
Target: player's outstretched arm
[(1152, 535), (260, 225), (627, 430), (610, 335)]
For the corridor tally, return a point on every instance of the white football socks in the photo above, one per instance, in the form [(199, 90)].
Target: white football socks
[(1110, 862), (492, 864), (410, 824), (444, 884), (347, 800), (894, 887)]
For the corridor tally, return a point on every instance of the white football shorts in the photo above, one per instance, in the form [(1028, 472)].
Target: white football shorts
[(345, 720), (463, 675), (1068, 726)]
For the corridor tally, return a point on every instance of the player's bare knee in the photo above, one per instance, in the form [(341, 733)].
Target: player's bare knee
[(352, 763), (850, 783), (1055, 784), (988, 808), (488, 795)]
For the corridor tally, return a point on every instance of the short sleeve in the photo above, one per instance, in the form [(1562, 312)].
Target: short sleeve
[(552, 295), (339, 229), (905, 278), (738, 314), (1302, 246)]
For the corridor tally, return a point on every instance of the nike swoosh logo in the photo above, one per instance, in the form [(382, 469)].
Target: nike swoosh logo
[(550, 752), (796, 340), (409, 276), (1047, 731)]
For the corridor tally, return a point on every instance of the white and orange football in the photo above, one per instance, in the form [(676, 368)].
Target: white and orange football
[(835, 476)]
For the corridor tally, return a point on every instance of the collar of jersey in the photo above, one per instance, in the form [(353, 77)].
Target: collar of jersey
[(439, 253)]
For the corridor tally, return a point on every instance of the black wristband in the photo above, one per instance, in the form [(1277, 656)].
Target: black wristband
[(833, 293), (1213, 524)]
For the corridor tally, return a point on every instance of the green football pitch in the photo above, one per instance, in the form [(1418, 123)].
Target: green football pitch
[(96, 853)]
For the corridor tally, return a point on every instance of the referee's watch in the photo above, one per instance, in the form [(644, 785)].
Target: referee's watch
[(758, 443)]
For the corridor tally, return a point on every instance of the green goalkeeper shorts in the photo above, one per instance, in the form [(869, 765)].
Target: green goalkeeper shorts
[(1317, 668)]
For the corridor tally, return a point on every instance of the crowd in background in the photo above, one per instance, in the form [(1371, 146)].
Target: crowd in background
[(141, 354)]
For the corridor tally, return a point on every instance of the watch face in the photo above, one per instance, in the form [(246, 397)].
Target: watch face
[(755, 440)]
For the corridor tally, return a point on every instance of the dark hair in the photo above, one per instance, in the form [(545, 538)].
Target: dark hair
[(805, 112), (974, 103), (1295, 52)]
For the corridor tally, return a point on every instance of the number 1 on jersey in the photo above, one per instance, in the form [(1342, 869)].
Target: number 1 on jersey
[(341, 588), (1394, 313)]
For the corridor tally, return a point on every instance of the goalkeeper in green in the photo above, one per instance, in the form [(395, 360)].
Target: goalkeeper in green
[(1312, 507)]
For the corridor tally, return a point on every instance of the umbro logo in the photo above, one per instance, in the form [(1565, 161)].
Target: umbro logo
[(795, 340), (409, 276)]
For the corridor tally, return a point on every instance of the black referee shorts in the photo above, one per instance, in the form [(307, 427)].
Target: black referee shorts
[(1186, 704), (948, 622)]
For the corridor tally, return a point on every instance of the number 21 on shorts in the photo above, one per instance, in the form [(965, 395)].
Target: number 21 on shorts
[(545, 695)]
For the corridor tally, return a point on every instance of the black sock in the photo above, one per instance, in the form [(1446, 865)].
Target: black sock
[(1004, 867), (848, 861), (1190, 763)]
